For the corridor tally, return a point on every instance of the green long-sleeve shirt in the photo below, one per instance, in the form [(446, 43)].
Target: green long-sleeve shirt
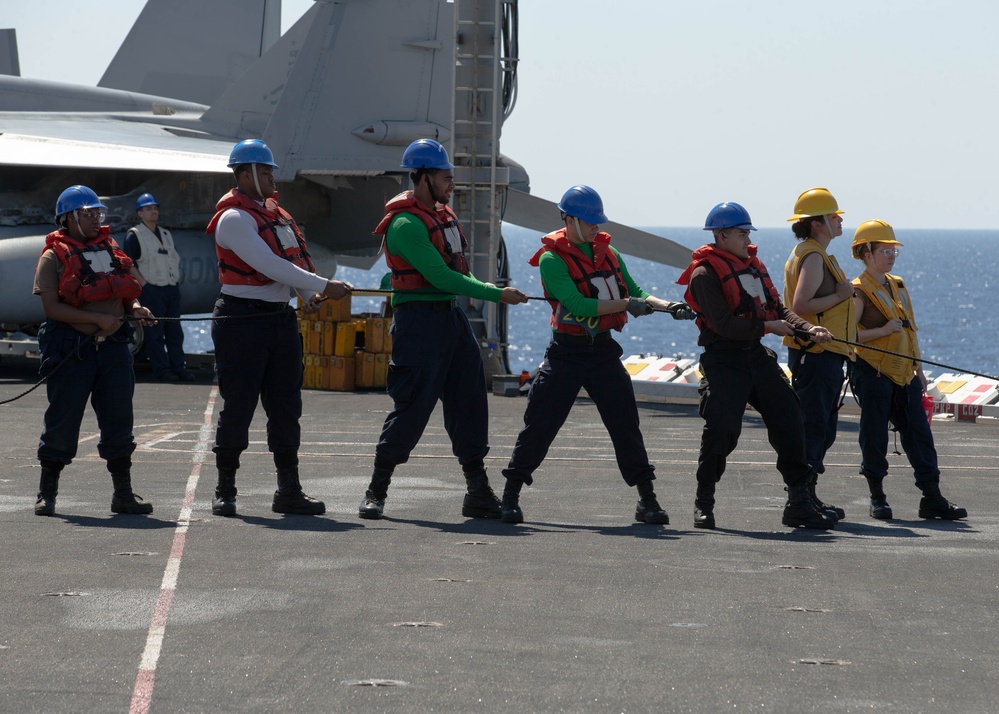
[(408, 238), (560, 285)]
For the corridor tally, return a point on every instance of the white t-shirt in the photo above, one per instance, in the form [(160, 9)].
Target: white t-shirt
[(237, 231)]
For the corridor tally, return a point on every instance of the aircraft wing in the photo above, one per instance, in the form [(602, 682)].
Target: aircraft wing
[(90, 140), (529, 211)]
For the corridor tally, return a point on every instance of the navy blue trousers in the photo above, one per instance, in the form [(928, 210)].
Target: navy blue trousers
[(882, 401), (817, 378), (99, 372), (258, 356), (570, 365), (733, 378), (435, 357), (165, 340)]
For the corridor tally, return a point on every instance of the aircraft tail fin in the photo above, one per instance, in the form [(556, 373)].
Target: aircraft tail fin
[(312, 96), (9, 62), (192, 49)]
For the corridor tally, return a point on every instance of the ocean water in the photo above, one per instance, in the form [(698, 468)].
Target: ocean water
[(952, 275)]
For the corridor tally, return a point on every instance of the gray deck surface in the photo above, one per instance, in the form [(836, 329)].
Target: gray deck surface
[(579, 609)]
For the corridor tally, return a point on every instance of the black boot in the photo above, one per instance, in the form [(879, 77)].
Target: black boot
[(48, 486), (879, 502), (934, 505), (124, 500), (648, 509), (801, 512), (834, 512), (704, 506), (510, 511), (224, 501), (480, 501), (373, 505), (290, 498)]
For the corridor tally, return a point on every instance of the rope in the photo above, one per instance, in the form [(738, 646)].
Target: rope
[(86, 340), (959, 370)]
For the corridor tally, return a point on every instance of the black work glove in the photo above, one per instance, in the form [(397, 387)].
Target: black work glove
[(681, 311), (638, 307)]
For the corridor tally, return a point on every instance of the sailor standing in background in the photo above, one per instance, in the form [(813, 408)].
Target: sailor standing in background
[(157, 267), (890, 388), (817, 289), (736, 305), (435, 356), (258, 354), (591, 293), (86, 289)]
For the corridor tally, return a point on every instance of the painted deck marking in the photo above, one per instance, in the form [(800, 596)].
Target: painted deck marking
[(142, 693)]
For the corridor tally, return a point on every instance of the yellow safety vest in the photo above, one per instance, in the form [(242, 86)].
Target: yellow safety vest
[(840, 319), (892, 300)]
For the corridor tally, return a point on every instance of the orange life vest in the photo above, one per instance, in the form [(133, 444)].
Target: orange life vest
[(438, 222), (588, 275), (92, 271), (737, 276), (271, 219)]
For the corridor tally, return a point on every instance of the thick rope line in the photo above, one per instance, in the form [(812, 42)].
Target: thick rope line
[(87, 339), (959, 370)]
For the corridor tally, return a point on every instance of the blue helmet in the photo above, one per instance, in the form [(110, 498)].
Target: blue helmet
[(76, 197), (728, 215), (425, 154), (146, 199), (584, 203), (251, 151)]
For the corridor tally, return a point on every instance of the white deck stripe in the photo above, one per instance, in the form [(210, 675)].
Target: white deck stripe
[(142, 693)]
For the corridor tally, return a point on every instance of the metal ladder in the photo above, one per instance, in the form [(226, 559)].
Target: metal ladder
[(480, 182)]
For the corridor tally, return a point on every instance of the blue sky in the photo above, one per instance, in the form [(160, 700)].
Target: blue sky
[(667, 108)]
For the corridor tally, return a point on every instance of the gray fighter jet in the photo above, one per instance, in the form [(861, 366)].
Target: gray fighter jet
[(336, 98)]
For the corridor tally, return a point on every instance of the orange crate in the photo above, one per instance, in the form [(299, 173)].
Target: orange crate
[(364, 374), (342, 374), (335, 310), (374, 334), (329, 337), (346, 335), (322, 372), (309, 376), (381, 370)]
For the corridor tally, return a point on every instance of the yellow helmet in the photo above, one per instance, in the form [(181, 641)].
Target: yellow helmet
[(814, 202), (873, 232)]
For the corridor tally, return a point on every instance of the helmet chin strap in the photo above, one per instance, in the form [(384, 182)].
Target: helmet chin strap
[(825, 219), (579, 233), (256, 183), (430, 187)]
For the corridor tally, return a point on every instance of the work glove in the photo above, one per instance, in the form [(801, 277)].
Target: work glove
[(681, 311), (638, 307)]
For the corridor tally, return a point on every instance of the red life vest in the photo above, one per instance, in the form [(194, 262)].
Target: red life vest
[(92, 271), (270, 219), (733, 271), (587, 274), (404, 275)]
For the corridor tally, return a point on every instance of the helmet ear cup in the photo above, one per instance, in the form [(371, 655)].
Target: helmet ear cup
[(582, 202)]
